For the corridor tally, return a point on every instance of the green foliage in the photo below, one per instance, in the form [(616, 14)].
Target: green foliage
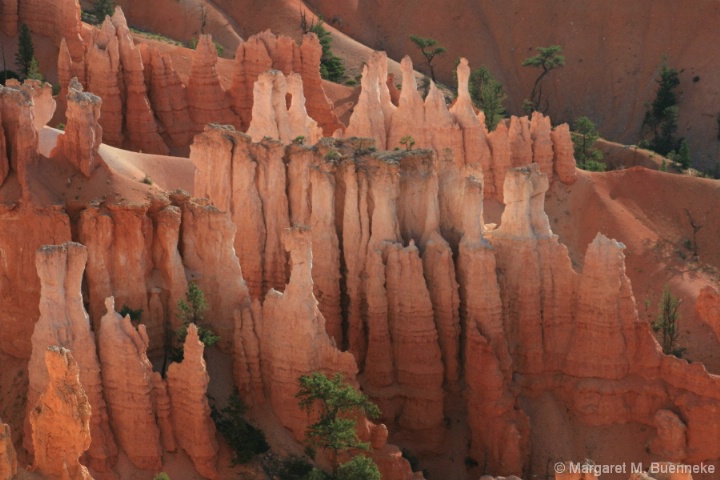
[(359, 467), (245, 440), (316, 474), (192, 311), (299, 140), (592, 166), (584, 136), (682, 157), (661, 119), (488, 95), (56, 89), (60, 126), (26, 51), (331, 67), (5, 75), (430, 49), (547, 59), (102, 9), (135, 315), (162, 476), (194, 42), (34, 71), (667, 322), (337, 403), (332, 156), (294, 468), (408, 141)]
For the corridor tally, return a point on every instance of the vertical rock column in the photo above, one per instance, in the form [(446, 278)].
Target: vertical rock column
[(83, 134), (60, 419), (139, 118), (294, 341), (206, 98), (8, 458), (187, 386), (127, 383), (64, 322)]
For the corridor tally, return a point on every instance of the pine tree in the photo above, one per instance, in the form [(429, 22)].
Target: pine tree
[(430, 49), (488, 95), (548, 59), (337, 403), (661, 119), (34, 71), (26, 51), (103, 8), (584, 136)]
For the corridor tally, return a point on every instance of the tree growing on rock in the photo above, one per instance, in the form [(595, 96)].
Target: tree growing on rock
[(337, 404), (25, 55), (331, 66), (102, 9), (430, 49), (661, 119), (547, 59), (667, 323), (584, 136), (192, 311), (488, 95)]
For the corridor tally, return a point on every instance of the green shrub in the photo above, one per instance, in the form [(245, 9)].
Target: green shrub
[(6, 75), (408, 142), (359, 467), (667, 323), (135, 315), (244, 440), (102, 9), (294, 468), (192, 311), (331, 67), (661, 120), (162, 476)]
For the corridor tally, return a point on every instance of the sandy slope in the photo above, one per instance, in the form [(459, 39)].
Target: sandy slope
[(645, 209)]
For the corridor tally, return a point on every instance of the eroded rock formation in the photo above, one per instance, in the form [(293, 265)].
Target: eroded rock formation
[(83, 134), (60, 419), (8, 458), (128, 386), (459, 132), (140, 123), (63, 322), (293, 318), (207, 101), (187, 386)]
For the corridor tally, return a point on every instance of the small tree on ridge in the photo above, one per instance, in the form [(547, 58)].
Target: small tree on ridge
[(430, 49), (337, 404), (548, 59)]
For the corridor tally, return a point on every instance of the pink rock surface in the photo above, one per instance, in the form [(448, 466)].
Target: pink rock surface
[(60, 419), (63, 322), (83, 134), (127, 385), (142, 131), (8, 458), (207, 100), (187, 386)]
